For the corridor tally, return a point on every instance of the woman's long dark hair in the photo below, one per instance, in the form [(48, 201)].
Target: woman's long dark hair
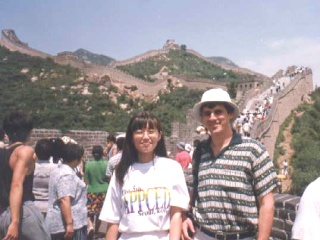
[(130, 154)]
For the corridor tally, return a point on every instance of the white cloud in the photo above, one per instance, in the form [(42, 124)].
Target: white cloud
[(279, 54)]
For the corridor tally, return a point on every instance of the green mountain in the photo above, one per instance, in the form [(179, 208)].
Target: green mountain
[(93, 58), (182, 63), (61, 97), (223, 61)]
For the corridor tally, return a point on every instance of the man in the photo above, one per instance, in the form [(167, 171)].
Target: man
[(233, 178), (19, 217), (183, 157), (111, 148)]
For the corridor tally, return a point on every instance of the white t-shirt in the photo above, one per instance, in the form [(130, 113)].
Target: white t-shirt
[(142, 205), (307, 222)]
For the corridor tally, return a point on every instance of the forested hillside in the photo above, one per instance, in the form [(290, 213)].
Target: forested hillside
[(93, 58), (60, 97), (179, 62), (306, 144)]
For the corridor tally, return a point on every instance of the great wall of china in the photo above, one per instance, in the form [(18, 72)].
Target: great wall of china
[(267, 131), (116, 77)]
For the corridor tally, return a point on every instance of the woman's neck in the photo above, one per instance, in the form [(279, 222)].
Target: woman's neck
[(72, 164), (145, 157)]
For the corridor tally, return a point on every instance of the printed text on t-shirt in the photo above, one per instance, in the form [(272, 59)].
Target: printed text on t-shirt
[(146, 202)]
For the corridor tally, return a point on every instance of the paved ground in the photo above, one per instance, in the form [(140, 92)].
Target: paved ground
[(102, 232)]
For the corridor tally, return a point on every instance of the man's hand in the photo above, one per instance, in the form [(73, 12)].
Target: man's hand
[(13, 232), (187, 226)]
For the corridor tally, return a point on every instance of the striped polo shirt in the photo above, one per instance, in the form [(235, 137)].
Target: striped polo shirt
[(230, 184)]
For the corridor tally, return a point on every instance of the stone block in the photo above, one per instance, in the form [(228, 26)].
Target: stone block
[(288, 227), (277, 234), (280, 202), (278, 223), (283, 214), (292, 204), (292, 215)]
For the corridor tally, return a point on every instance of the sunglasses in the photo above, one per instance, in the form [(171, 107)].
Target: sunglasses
[(208, 113)]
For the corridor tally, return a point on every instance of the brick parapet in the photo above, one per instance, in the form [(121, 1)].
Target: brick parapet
[(286, 207), (86, 138)]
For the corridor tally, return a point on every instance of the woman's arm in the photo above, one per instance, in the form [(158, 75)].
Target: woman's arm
[(65, 203), (112, 231), (175, 223)]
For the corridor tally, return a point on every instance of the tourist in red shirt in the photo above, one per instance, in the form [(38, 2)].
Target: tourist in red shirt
[(183, 157)]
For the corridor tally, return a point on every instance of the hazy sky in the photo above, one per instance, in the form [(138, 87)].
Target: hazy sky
[(262, 35)]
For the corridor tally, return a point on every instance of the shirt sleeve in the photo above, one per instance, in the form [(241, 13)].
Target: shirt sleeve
[(86, 173), (112, 206), (180, 195), (109, 169), (307, 222), (67, 186), (265, 177)]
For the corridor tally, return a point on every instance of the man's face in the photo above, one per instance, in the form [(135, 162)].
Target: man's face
[(216, 119)]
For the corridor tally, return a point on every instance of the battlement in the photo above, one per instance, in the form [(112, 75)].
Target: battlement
[(10, 35), (10, 40)]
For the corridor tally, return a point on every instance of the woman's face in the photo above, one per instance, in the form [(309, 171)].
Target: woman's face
[(145, 140)]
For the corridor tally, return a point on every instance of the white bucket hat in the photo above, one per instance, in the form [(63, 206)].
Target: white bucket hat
[(215, 95)]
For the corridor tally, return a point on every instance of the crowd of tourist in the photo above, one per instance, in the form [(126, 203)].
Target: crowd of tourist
[(258, 108)]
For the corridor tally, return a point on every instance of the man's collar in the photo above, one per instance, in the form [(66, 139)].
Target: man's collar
[(236, 139)]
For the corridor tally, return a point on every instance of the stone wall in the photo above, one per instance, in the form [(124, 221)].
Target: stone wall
[(86, 138), (286, 207)]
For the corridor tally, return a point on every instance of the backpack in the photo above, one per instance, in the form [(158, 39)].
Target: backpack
[(195, 171), (5, 189)]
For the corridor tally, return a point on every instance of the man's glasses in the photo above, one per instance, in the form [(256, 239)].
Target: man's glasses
[(141, 132)]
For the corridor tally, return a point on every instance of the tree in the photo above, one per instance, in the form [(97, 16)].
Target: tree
[(183, 47), (232, 89)]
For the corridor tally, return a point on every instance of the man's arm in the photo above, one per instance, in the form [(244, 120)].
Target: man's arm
[(266, 212), (21, 161)]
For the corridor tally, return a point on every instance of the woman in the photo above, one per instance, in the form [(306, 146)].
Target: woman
[(148, 191), (67, 212), (45, 164), (94, 177)]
